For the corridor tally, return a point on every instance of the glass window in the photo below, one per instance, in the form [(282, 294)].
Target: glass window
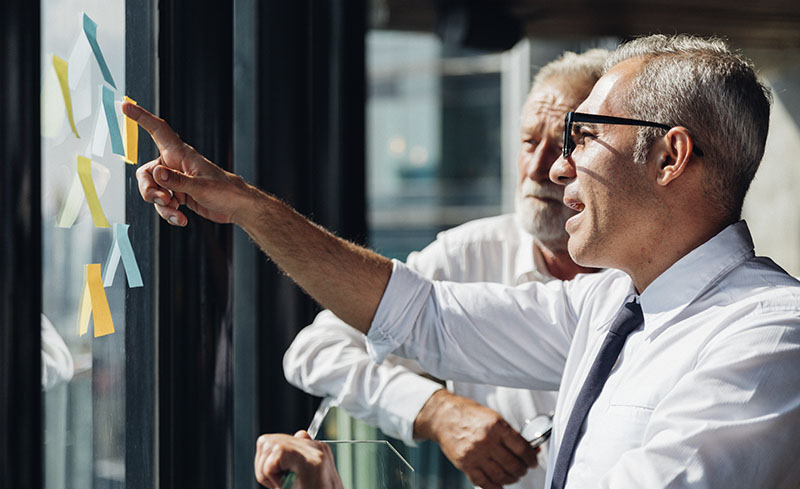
[(434, 161), (433, 139), (83, 206)]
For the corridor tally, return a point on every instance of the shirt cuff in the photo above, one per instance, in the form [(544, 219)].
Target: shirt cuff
[(402, 301), (403, 402)]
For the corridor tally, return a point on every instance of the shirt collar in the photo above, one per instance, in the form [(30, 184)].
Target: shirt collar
[(681, 283), (529, 264)]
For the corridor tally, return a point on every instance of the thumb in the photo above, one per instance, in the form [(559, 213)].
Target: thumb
[(173, 180), (303, 434)]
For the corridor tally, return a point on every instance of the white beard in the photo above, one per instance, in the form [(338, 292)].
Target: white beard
[(543, 219)]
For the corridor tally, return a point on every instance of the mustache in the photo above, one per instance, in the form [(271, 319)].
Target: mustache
[(529, 188)]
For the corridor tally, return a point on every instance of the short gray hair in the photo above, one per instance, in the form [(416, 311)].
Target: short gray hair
[(714, 92), (580, 70)]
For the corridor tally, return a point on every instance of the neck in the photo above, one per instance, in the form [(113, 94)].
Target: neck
[(667, 252), (559, 263)]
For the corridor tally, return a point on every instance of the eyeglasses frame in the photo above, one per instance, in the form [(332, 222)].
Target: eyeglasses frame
[(572, 117)]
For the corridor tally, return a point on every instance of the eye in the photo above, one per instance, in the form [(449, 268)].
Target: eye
[(529, 143), (581, 133)]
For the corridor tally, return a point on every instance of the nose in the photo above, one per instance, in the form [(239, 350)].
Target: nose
[(536, 164), (563, 170)]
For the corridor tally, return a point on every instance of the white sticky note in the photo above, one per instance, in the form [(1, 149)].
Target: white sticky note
[(79, 60), (74, 202), (100, 133), (53, 109), (79, 76), (82, 102)]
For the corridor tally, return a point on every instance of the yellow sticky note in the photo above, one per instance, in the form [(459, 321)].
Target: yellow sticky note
[(85, 174), (95, 303), (61, 70), (131, 138)]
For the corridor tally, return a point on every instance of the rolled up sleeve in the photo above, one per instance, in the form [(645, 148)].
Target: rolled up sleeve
[(478, 332)]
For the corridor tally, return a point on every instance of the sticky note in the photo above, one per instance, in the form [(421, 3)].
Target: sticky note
[(94, 304), (72, 205), (82, 103), (62, 68), (111, 119), (99, 178), (78, 60), (81, 90), (121, 247), (131, 138), (53, 107), (90, 29), (89, 191), (100, 134)]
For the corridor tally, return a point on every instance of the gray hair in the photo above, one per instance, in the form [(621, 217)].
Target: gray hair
[(580, 70), (702, 85)]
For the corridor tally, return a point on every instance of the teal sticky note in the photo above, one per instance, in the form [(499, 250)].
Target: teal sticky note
[(121, 248), (111, 119), (90, 29)]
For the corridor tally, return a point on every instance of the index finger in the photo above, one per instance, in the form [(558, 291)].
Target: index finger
[(159, 130)]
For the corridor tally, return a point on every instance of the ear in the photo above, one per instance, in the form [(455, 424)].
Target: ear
[(676, 152)]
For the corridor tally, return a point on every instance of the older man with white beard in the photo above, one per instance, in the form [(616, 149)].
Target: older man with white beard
[(474, 424)]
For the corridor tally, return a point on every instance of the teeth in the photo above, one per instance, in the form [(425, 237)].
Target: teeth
[(576, 206)]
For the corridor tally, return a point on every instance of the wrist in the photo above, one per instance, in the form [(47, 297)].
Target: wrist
[(426, 422), (248, 200)]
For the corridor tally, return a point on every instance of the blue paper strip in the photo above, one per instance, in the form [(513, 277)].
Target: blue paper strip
[(121, 248), (113, 125), (90, 28)]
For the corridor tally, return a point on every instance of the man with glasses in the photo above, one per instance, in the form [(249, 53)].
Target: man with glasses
[(329, 358), (677, 366)]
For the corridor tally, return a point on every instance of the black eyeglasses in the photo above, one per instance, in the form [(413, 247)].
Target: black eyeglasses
[(573, 117)]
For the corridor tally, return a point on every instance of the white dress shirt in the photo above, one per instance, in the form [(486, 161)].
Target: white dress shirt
[(705, 395), (329, 358)]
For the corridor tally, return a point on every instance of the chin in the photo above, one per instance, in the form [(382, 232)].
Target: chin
[(545, 222), (580, 251)]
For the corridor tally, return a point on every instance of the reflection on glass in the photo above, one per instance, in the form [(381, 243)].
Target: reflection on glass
[(387, 469), (433, 139), (84, 377)]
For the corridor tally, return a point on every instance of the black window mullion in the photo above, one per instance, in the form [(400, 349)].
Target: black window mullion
[(141, 304), (20, 247)]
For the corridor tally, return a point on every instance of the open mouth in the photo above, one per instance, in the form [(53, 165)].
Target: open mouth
[(574, 205), (572, 223)]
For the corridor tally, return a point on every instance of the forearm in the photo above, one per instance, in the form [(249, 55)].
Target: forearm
[(329, 358), (343, 277)]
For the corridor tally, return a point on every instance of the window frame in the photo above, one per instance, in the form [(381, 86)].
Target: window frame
[(20, 273)]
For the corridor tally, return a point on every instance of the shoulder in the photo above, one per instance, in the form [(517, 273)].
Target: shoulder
[(483, 250), (761, 281)]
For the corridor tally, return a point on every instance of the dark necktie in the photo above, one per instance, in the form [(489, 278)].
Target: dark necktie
[(629, 319)]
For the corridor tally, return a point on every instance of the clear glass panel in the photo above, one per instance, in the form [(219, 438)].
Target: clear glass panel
[(83, 50), (371, 464), (433, 139), (433, 162)]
